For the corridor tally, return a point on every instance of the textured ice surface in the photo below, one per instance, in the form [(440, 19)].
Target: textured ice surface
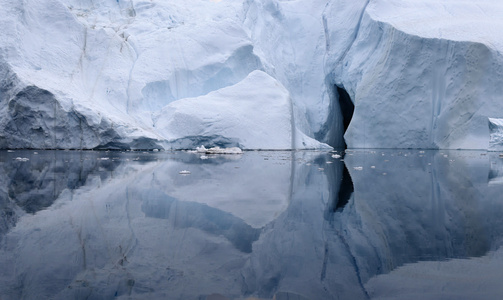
[(421, 74), (496, 134), (256, 113), (76, 74), (80, 74)]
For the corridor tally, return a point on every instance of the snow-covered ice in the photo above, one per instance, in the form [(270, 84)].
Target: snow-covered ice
[(255, 113), (76, 74), (218, 150), (422, 74), (496, 134)]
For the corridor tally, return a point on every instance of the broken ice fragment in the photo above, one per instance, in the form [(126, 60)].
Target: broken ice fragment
[(21, 159), (495, 134), (218, 150)]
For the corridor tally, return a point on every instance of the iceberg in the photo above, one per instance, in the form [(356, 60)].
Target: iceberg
[(256, 113), (421, 74), (76, 74)]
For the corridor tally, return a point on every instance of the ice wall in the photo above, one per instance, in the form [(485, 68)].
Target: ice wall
[(82, 75), (421, 75)]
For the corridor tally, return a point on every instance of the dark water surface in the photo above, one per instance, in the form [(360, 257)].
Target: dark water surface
[(379, 224)]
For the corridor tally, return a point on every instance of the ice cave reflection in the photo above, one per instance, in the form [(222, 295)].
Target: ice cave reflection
[(282, 225)]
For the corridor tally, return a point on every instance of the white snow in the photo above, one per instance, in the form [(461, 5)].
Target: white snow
[(473, 21)]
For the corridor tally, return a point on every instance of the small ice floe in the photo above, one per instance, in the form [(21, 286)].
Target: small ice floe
[(329, 162), (103, 158), (184, 172), (203, 157), (10, 151), (358, 168), (372, 167), (336, 156), (35, 152), (155, 150), (218, 150), (321, 169), (21, 159)]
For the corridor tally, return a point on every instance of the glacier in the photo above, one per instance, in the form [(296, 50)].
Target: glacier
[(81, 74)]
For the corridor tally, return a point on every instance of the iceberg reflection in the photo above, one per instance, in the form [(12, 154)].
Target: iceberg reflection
[(302, 225)]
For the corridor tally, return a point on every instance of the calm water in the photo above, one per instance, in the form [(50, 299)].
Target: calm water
[(282, 225)]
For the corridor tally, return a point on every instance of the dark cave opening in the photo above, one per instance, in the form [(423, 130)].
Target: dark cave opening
[(347, 107), (341, 111)]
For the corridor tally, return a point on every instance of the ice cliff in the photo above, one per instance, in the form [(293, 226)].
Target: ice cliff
[(87, 74)]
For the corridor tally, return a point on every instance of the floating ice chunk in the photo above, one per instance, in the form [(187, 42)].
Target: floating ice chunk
[(358, 168), (184, 172), (336, 156), (21, 159), (218, 150), (496, 134)]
